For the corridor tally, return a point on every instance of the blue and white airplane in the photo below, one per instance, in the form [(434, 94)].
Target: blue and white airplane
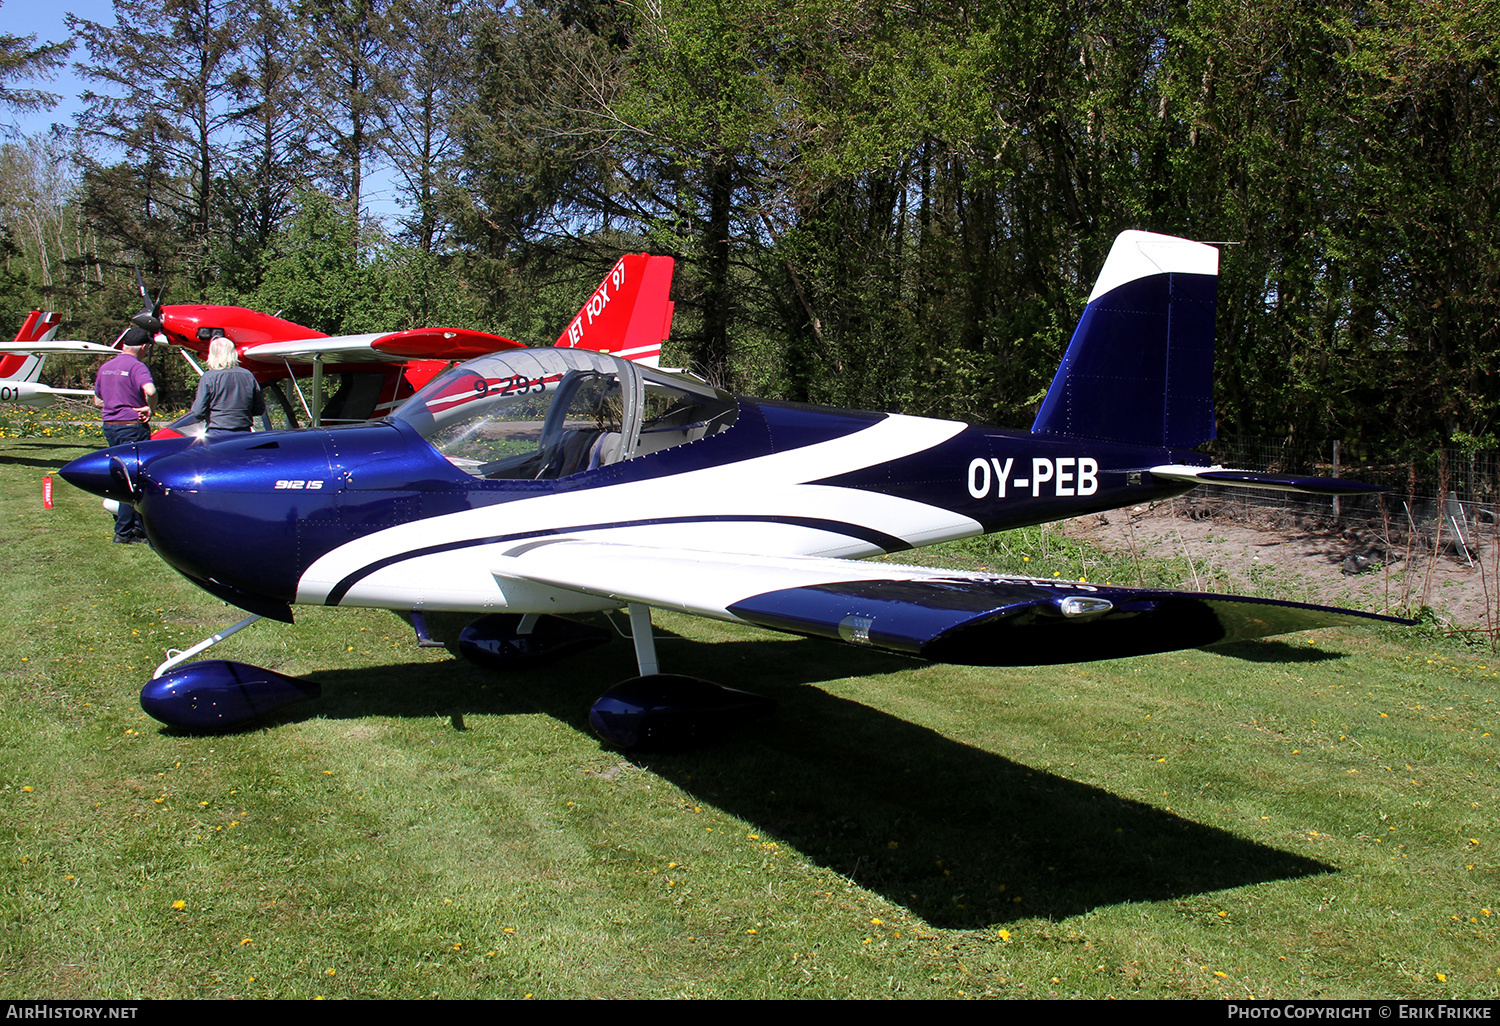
[(534, 484)]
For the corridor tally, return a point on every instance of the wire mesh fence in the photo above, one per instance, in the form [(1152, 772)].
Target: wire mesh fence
[(1441, 510), (1441, 507), (1442, 492)]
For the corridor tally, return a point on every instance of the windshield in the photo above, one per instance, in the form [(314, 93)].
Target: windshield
[(535, 414)]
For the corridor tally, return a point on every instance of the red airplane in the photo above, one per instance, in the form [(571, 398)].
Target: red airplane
[(628, 315)]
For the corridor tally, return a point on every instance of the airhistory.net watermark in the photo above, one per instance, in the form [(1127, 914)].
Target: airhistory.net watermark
[(50, 1010)]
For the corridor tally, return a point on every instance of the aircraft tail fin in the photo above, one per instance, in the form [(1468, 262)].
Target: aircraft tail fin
[(629, 314), (1139, 368), (39, 326)]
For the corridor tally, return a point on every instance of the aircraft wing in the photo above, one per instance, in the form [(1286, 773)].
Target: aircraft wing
[(943, 615), (58, 348), (383, 347)]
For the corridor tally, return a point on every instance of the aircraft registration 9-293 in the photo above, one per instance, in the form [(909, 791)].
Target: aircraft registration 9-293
[(531, 485)]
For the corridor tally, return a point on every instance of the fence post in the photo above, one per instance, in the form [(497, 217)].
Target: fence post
[(1335, 474)]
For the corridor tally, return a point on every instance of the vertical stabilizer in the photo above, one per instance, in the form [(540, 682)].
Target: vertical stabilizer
[(39, 326), (1139, 368), (629, 314)]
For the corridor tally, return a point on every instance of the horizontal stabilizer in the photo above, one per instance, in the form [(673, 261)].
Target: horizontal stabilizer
[(943, 615), (1274, 482)]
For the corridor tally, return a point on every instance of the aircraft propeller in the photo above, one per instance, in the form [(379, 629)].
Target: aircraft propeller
[(149, 319)]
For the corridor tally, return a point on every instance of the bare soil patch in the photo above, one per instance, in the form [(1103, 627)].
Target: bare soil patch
[(1365, 565)]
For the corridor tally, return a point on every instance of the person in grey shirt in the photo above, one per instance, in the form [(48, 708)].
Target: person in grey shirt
[(229, 397)]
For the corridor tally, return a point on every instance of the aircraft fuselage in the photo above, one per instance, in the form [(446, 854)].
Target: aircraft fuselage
[(375, 516)]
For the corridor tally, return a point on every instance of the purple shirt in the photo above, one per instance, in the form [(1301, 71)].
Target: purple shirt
[(120, 383)]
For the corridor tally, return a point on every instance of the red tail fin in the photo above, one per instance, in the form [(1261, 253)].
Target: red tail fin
[(39, 326), (629, 314)]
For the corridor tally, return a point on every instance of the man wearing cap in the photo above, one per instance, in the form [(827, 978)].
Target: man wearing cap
[(126, 397)]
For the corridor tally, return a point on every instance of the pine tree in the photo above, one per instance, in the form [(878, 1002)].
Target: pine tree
[(164, 71)]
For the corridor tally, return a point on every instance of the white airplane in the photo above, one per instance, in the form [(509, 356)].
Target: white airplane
[(531, 485), (21, 361)]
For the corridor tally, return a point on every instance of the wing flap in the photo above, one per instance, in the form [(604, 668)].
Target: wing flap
[(384, 347), (1031, 623), (945, 616)]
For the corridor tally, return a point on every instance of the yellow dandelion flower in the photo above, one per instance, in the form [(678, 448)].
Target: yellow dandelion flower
[(179, 904)]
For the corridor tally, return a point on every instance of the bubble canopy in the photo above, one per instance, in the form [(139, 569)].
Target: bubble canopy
[(540, 414)]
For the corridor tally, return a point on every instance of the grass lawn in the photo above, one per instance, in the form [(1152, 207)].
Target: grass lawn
[(1313, 816)]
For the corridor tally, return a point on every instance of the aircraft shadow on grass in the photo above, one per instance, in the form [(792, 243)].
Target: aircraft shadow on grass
[(51, 454), (962, 837), (1267, 651)]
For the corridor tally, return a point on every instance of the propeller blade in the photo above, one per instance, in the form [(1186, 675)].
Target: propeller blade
[(149, 319)]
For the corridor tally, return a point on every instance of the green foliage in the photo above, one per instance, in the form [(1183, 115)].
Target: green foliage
[(15, 288), (871, 205), (318, 273)]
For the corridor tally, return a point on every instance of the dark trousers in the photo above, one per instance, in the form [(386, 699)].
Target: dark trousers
[(127, 521)]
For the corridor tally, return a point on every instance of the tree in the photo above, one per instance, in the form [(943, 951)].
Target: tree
[(165, 68), (317, 274), (425, 82), (343, 50), (21, 59), (270, 147), (38, 200)]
